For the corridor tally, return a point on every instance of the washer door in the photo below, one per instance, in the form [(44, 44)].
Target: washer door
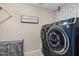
[(58, 40)]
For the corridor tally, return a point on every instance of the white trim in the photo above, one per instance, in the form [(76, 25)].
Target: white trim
[(33, 53)]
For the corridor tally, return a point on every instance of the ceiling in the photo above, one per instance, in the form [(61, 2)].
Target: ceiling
[(50, 6)]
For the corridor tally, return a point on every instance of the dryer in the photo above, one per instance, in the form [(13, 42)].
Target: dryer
[(63, 38), (45, 47)]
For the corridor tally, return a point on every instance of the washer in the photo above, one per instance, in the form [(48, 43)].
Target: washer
[(62, 38)]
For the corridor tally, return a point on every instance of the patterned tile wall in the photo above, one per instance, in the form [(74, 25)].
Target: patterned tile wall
[(68, 10)]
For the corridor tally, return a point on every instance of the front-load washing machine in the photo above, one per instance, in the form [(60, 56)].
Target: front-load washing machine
[(45, 47), (63, 38)]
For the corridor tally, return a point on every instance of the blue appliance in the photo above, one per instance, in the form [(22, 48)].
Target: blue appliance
[(63, 38)]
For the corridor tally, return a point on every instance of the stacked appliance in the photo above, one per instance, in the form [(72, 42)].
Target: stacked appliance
[(61, 38)]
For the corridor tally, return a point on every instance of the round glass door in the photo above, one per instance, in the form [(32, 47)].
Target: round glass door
[(58, 40)]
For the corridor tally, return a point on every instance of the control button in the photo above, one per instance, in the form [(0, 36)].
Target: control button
[(67, 26)]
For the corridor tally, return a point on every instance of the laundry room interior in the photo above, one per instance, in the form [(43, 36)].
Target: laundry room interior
[(23, 26)]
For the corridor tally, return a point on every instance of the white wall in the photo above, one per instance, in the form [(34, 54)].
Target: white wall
[(13, 29), (77, 9), (68, 10)]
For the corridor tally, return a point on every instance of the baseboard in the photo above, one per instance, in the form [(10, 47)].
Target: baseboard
[(34, 53)]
